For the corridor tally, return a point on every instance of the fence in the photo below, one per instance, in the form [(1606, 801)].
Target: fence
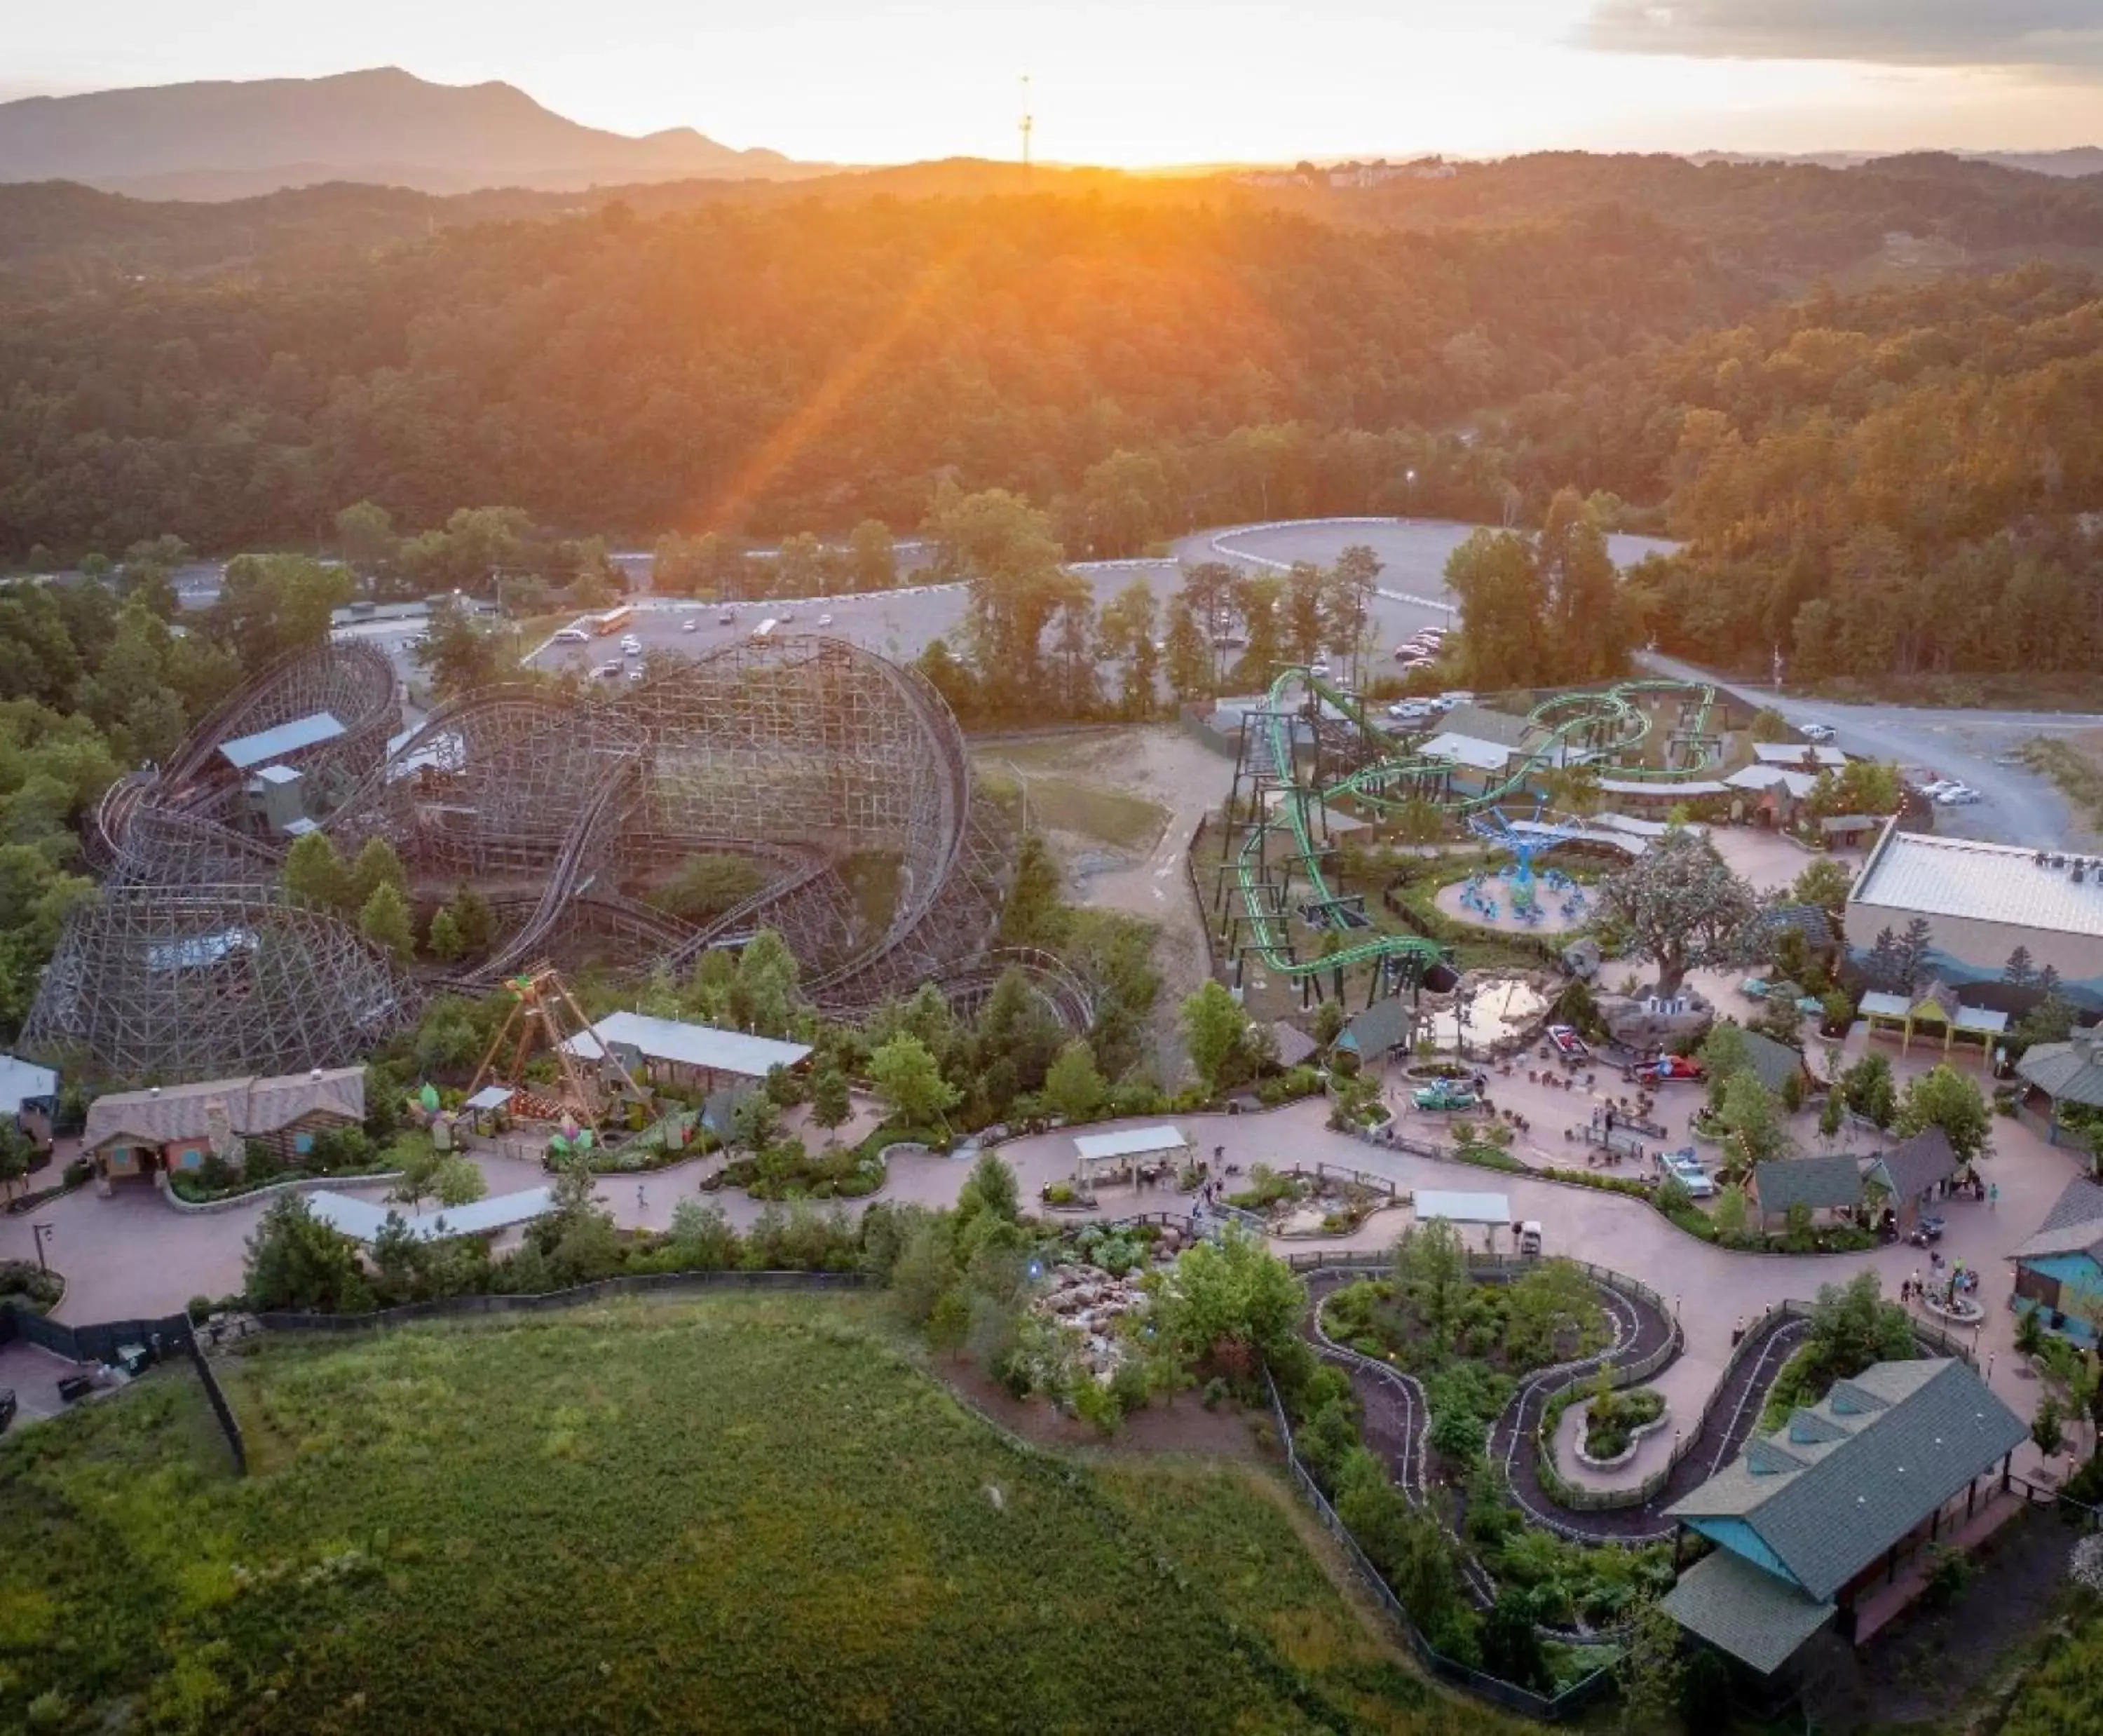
[(1197, 896), (453, 1308), (1548, 1708), (100, 1343)]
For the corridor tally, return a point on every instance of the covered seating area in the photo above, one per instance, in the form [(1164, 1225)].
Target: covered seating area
[(1935, 1011), (1135, 1155), (2064, 1097)]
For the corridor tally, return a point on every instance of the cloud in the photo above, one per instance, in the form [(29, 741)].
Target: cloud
[(2060, 35)]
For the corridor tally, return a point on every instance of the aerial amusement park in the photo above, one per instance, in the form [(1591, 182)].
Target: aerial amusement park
[(1320, 773), (824, 767)]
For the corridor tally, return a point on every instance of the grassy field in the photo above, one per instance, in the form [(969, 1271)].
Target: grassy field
[(2076, 767), (749, 1515), (1061, 803)]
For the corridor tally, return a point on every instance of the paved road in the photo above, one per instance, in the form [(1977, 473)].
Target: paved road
[(900, 623), (2017, 806)]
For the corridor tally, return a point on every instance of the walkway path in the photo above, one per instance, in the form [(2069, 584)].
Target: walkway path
[(134, 1255)]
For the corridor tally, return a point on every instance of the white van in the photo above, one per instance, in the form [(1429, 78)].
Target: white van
[(572, 636)]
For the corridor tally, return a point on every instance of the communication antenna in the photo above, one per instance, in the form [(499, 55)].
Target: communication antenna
[(1028, 120)]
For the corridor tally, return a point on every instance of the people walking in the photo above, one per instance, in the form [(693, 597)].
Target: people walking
[(1993, 1195)]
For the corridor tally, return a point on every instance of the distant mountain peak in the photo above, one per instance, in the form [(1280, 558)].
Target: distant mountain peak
[(227, 139)]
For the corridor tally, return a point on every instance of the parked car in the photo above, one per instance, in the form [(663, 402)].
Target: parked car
[(1318, 667), (572, 636), (635, 674), (607, 671), (824, 621), (1444, 1094), (1958, 796), (727, 618), (1684, 1168), (1934, 787), (691, 624), (1929, 1229), (1409, 710), (1458, 697), (1817, 732)]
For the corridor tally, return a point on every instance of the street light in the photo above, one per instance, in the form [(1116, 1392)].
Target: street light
[(40, 1232)]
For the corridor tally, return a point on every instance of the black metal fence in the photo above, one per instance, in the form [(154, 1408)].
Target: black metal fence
[(459, 1307), (101, 1342)]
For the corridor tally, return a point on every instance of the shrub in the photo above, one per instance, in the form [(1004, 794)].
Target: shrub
[(199, 1310)]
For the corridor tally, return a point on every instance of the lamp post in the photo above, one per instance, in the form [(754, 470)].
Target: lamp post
[(40, 1232)]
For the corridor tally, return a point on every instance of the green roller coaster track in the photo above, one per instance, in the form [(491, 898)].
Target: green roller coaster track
[(1606, 725)]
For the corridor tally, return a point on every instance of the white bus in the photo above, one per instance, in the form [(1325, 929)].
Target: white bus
[(765, 630)]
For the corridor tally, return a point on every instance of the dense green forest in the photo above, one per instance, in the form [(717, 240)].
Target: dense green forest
[(1896, 481), (1863, 480), (808, 366)]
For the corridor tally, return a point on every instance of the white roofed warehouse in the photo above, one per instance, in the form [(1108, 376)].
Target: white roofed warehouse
[(1996, 914), (705, 1057)]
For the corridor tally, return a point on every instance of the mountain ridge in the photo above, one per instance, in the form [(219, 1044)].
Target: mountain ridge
[(231, 139)]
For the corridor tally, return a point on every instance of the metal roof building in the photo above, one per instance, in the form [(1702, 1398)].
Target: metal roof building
[(1981, 902), (699, 1049), (1808, 1520), (267, 745)]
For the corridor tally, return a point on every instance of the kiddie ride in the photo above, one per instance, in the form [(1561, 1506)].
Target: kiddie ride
[(1443, 1095)]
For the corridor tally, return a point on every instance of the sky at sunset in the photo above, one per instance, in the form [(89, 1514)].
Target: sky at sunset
[(1158, 82)]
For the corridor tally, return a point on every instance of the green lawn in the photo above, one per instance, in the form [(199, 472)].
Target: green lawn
[(752, 1514), (1073, 804)]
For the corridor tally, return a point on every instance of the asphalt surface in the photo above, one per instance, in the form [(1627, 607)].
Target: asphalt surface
[(2016, 805), (1410, 591)]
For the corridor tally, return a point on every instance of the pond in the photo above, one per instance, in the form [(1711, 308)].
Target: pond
[(1500, 1009)]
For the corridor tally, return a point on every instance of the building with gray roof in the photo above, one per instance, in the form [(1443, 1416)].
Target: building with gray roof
[(2060, 1269), (1809, 1522), (1913, 1172), (2063, 1077), (1832, 1183), (1981, 902)]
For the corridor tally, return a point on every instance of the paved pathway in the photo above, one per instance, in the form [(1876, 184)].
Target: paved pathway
[(134, 1255)]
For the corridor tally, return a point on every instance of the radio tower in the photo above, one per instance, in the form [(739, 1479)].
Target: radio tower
[(1028, 122)]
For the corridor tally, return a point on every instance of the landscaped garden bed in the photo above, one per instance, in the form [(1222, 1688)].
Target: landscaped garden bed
[(1615, 1424)]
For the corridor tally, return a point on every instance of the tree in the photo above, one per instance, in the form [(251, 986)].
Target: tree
[(1033, 914), (1004, 546), (471, 915), (1511, 1643), (990, 1188), (1431, 1273), (767, 976), (385, 921), (377, 865), (1733, 1208), (1945, 1098), (1824, 883), (1552, 1313), (272, 605), (1125, 635), (1754, 1132), (16, 1152), (2046, 1428), (1231, 1293), (1188, 654), (458, 1181), (2019, 971), (315, 875), (459, 651), (832, 1104), (1650, 1669), (365, 536), (1073, 1088), (1212, 1024), (1852, 1326), (442, 940), (907, 1078), (1867, 1090), (295, 1261), (1586, 636), (1494, 575), (1683, 908), (755, 1119), (1769, 725), (873, 555)]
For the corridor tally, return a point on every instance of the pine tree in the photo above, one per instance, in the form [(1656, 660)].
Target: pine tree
[(1073, 1088), (443, 942), (472, 917), (1034, 914), (1911, 959), (377, 865), (2020, 972), (314, 873), (385, 921)]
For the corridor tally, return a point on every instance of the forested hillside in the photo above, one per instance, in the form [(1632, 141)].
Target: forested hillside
[(1896, 482), (801, 367)]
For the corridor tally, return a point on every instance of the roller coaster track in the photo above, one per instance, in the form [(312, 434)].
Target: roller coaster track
[(1611, 721)]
